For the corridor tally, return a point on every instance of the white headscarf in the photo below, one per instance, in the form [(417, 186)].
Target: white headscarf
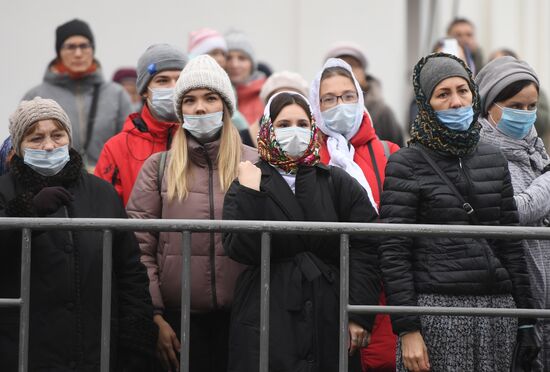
[(341, 151)]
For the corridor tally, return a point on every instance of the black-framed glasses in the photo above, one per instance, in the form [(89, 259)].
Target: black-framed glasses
[(330, 100), (84, 47)]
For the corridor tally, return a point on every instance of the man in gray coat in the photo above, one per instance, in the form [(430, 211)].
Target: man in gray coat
[(97, 108)]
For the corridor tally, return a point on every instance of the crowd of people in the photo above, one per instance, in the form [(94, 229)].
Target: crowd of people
[(212, 133)]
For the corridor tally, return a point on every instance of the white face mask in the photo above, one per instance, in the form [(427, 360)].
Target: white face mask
[(47, 163), (341, 118), (162, 104), (293, 140), (203, 127)]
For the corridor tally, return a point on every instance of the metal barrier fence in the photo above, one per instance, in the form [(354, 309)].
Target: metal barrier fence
[(266, 228)]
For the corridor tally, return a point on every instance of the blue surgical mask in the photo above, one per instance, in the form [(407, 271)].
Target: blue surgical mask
[(458, 119), (204, 127), (162, 104), (341, 118), (516, 123), (47, 163), (293, 140)]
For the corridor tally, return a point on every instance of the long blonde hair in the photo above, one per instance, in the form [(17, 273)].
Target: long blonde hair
[(229, 156)]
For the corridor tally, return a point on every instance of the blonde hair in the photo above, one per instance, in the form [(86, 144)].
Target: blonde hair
[(228, 159)]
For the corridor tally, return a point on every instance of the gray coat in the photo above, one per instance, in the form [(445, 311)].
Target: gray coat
[(75, 96), (526, 160)]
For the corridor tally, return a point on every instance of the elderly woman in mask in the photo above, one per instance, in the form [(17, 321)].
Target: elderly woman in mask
[(289, 184), (46, 179), (447, 176), (509, 90)]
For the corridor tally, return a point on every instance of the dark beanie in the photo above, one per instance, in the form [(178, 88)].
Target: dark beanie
[(438, 69), (72, 28)]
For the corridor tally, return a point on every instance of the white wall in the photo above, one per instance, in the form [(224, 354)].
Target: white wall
[(289, 34)]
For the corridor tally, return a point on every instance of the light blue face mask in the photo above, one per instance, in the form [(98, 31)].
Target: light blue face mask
[(516, 123), (162, 104), (293, 140), (341, 118), (47, 163), (203, 127), (458, 119)]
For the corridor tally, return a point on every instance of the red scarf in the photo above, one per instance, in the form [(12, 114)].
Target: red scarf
[(362, 156), (60, 68)]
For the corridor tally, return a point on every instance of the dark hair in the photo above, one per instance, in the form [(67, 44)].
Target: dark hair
[(504, 52), (457, 21), (286, 99), (336, 71), (513, 89)]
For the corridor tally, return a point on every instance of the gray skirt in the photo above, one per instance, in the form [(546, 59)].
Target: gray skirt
[(464, 343)]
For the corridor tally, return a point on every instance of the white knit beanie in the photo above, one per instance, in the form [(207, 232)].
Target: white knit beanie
[(204, 72), (30, 112)]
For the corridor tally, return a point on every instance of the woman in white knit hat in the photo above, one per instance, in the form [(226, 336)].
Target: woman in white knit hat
[(189, 182), (46, 178)]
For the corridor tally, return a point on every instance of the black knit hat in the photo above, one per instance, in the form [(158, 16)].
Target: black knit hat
[(72, 28)]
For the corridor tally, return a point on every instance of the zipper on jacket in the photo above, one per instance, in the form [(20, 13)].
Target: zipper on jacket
[(490, 266), (212, 237)]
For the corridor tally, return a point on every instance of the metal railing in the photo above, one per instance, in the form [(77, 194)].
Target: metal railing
[(266, 228)]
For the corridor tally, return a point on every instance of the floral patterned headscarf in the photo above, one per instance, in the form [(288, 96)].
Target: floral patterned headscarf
[(270, 150)]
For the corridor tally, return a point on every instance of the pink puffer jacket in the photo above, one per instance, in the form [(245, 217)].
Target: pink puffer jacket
[(213, 274)]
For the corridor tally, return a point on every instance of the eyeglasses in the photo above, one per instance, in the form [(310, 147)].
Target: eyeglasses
[(331, 100), (84, 47)]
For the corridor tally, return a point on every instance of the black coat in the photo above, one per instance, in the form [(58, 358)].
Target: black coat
[(414, 193), (66, 277), (304, 289)]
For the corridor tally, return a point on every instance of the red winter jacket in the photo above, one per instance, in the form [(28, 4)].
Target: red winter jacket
[(380, 354), (123, 155), (249, 102)]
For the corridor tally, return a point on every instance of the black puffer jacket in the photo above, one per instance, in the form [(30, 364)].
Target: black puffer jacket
[(304, 289), (414, 193), (66, 276)]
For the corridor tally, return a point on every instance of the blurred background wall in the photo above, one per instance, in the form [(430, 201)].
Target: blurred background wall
[(287, 34)]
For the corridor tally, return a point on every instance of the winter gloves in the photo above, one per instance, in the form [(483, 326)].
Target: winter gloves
[(50, 199)]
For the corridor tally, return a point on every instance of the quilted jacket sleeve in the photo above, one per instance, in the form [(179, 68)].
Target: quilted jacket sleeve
[(146, 203), (243, 203), (399, 204)]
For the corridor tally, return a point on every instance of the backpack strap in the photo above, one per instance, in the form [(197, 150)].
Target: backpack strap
[(375, 166), (465, 205), (91, 118), (386, 146), (160, 173)]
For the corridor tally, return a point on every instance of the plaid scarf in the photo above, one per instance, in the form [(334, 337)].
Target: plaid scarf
[(430, 132)]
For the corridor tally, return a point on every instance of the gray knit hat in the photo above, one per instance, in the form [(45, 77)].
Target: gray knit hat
[(157, 58), (29, 112), (238, 40), (438, 69), (204, 72), (498, 74)]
